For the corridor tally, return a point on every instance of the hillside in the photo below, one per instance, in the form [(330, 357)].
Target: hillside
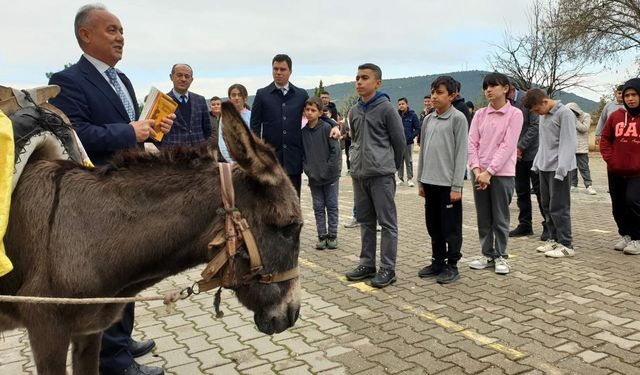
[(415, 88)]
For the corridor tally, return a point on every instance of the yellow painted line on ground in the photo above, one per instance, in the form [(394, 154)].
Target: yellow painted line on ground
[(361, 286), (599, 231), (549, 369), (479, 339)]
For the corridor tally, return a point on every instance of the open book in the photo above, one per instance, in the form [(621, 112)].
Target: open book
[(157, 106)]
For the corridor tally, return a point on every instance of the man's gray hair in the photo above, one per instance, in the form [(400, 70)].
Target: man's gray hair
[(82, 17)]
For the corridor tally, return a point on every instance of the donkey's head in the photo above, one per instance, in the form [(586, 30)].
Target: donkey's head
[(267, 200)]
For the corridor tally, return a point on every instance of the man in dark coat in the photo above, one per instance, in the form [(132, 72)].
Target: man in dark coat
[(276, 117)]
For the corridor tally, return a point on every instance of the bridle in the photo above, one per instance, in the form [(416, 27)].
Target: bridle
[(221, 270)]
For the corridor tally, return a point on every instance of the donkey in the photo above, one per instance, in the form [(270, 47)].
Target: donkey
[(118, 229)]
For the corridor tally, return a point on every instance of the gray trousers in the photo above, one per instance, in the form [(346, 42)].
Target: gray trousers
[(492, 208), (556, 206), (325, 204), (583, 166), (407, 158), (374, 202)]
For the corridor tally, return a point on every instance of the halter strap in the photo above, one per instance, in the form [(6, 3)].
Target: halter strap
[(236, 232)]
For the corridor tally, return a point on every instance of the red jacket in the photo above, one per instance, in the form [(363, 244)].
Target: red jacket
[(620, 144)]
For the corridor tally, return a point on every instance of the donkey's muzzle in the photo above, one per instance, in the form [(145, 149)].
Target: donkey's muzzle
[(270, 324)]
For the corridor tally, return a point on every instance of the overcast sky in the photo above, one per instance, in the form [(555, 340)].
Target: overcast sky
[(234, 41)]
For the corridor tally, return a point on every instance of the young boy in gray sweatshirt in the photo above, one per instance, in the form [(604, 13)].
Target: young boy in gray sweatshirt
[(377, 147), (321, 162), (554, 161), (441, 169)]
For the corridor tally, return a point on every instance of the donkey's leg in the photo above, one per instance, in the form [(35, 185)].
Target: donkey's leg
[(86, 349), (49, 344)]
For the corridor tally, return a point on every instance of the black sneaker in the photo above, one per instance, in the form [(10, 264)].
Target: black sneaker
[(360, 273), (521, 231), (448, 275), (383, 278), (434, 269)]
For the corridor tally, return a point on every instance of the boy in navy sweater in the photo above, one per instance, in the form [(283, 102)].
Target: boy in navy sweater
[(321, 162)]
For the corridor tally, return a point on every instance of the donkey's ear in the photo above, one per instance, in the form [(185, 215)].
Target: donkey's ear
[(252, 155)]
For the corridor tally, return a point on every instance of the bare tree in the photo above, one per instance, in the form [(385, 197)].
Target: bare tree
[(348, 102), (605, 27), (543, 56)]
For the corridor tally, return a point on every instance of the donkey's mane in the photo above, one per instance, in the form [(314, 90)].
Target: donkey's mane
[(183, 157)]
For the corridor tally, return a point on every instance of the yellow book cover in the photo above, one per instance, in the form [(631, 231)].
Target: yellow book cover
[(157, 106)]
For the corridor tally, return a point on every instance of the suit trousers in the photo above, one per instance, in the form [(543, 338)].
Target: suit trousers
[(114, 352), (296, 180)]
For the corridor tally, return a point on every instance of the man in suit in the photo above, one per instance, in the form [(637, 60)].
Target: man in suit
[(192, 126), (276, 117), (101, 104)]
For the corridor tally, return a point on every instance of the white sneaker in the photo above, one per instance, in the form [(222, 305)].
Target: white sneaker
[(591, 191), (502, 266), (560, 251), (410, 183), (622, 243), (352, 223), (399, 182), (548, 246), (633, 248), (481, 264), (575, 189)]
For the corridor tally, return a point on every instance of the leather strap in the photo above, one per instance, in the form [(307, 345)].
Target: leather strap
[(221, 271)]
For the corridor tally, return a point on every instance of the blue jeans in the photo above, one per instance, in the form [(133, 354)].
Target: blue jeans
[(325, 205)]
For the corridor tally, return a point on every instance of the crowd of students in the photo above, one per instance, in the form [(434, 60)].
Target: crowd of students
[(521, 142), (491, 146)]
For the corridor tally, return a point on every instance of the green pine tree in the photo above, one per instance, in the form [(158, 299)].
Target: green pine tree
[(318, 91), (49, 74)]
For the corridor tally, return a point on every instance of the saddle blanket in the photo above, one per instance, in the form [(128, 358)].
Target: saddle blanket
[(6, 182)]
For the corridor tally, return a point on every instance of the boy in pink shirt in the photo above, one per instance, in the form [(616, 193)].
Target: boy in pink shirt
[(493, 140)]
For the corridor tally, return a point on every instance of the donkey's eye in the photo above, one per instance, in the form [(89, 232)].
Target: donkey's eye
[(290, 230)]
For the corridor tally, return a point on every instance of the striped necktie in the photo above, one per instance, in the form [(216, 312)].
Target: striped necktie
[(111, 73)]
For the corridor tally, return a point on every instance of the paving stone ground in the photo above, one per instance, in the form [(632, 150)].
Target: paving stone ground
[(576, 315)]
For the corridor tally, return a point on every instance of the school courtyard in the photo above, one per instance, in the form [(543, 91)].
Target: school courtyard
[(578, 315)]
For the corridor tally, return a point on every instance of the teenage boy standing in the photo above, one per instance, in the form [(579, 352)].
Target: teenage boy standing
[(411, 126), (555, 159), (441, 168), (377, 146)]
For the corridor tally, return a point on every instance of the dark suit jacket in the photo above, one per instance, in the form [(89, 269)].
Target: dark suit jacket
[(195, 130), (277, 119), (95, 110)]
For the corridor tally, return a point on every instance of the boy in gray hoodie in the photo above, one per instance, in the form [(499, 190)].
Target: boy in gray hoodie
[(377, 147)]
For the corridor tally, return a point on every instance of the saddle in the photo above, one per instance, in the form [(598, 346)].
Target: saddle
[(30, 128), (40, 130)]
